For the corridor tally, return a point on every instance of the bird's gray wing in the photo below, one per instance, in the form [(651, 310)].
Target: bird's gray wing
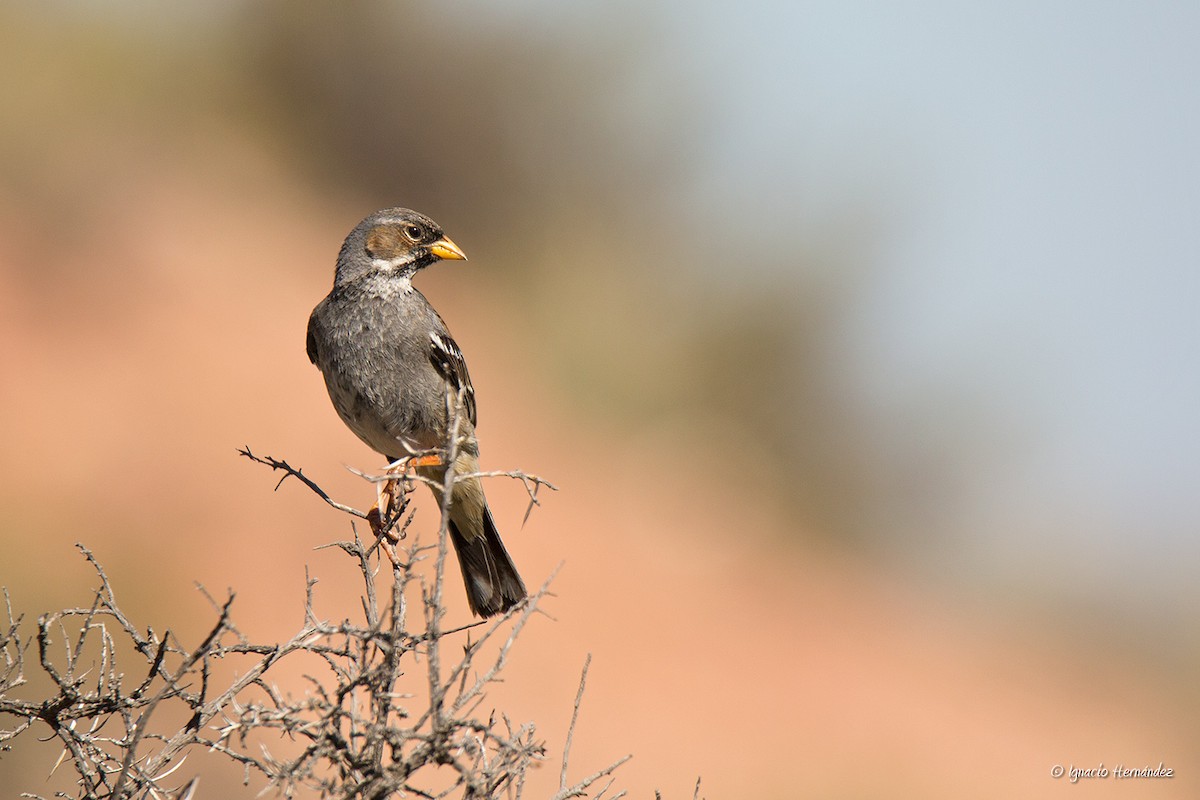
[(448, 360)]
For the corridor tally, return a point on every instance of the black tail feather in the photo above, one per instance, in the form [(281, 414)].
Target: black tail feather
[(493, 585)]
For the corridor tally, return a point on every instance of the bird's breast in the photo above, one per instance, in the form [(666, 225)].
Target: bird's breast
[(378, 375)]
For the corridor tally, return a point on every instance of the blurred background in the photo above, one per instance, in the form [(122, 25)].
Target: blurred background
[(861, 338)]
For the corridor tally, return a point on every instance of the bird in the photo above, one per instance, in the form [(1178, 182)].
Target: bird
[(399, 381)]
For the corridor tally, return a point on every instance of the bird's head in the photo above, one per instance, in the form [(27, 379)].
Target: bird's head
[(393, 242)]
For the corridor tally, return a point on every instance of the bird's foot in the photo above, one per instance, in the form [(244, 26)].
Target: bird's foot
[(403, 465), (389, 498), (384, 515)]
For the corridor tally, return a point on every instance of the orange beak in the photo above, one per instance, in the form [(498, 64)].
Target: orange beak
[(445, 249)]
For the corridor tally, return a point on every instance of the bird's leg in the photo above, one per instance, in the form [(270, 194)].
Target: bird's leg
[(402, 466), (381, 517), (427, 460), (375, 516), (384, 514)]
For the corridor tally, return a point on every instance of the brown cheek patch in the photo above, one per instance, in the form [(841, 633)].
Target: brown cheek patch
[(383, 241)]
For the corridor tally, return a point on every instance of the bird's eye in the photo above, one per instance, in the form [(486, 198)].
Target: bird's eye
[(414, 232)]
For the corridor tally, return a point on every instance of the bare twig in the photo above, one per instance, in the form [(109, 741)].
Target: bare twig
[(562, 775), (368, 725), (579, 789), (291, 472)]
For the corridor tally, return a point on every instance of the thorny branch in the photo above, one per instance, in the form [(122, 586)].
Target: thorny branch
[(383, 712), (291, 472)]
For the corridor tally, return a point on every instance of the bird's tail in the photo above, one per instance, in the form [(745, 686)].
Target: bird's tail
[(493, 585)]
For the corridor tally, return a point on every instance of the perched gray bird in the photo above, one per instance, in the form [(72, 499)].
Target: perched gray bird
[(395, 376)]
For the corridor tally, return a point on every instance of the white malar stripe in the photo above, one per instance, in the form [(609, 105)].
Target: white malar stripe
[(385, 265)]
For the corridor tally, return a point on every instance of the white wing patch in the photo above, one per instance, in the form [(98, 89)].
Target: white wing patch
[(448, 360)]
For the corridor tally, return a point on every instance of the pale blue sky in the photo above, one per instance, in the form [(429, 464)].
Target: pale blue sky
[(1033, 171)]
